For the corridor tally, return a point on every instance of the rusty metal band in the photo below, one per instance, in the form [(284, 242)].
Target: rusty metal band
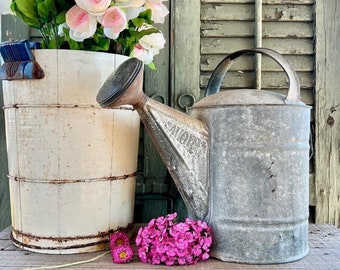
[(68, 181), (102, 235), (17, 106)]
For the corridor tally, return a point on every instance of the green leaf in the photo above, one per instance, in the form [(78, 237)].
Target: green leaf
[(143, 17), (74, 45), (146, 32), (146, 14), (61, 18), (27, 11), (152, 66), (63, 5), (46, 10)]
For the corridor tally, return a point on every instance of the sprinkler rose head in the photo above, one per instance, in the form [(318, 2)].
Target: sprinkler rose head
[(123, 86)]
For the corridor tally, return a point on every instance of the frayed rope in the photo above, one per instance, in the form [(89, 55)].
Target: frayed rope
[(68, 264)]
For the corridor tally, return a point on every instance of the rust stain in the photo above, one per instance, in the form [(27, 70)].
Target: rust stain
[(68, 181), (101, 243)]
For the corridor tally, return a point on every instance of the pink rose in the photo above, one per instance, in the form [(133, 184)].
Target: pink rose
[(82, 24), (153, 42), (142, 54), (159, 10), (133, 12), (114, 22), (94, 6)]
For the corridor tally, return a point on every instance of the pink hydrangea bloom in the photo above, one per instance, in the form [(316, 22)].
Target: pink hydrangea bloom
[(163, 241)]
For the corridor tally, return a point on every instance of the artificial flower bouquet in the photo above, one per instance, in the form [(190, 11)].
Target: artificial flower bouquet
[(117, 26), (165, 241)]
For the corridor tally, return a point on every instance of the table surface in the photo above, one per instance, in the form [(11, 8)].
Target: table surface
[(324, 243)]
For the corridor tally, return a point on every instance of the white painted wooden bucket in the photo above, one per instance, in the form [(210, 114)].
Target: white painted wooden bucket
[(72, 164)]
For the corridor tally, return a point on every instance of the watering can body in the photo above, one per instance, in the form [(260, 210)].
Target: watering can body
[(258, 179), (240, 160)]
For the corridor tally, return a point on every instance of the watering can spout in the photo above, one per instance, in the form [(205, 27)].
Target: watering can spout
[(181, 140)]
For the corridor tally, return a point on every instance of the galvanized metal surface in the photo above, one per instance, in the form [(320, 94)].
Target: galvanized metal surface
[(258, 182), (258, 169), (241, 166), (72, 165)]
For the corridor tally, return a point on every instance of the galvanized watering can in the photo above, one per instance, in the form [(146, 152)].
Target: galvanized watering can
[(240, 159)]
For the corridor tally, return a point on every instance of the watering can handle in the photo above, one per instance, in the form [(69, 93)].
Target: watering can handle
[(222, 68)]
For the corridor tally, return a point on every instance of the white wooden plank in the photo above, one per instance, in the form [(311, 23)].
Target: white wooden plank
[(246, 12), (297, 2), (288, 12), (327, 116), (246, 29), (229, 45), (298, 62), (273, 80), (296, 29)]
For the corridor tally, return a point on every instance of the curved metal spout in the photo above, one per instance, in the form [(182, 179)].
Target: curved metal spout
[(181, 140)]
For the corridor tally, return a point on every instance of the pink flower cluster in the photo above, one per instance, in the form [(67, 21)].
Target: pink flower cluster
[(114, 16), (163, 241), (120, 248)]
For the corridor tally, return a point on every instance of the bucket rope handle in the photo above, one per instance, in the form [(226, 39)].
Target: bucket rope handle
[(218, 74)]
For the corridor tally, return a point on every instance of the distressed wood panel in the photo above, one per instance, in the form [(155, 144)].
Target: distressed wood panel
[(227, 29), (10, 27), (246, 12), (288, 29), (324, 243), (228, 1), (289, 2), (327, 112), (246, 63), (270, 80), (230, 12), (288, 13), (299, 2), (186, 50), (246, 29), (229, 45)]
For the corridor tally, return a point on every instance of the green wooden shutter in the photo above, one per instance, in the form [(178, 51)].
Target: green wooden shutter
[(10, 28)]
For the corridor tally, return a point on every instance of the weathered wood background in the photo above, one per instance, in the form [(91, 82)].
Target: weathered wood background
[(327, 112), (9, 28)]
